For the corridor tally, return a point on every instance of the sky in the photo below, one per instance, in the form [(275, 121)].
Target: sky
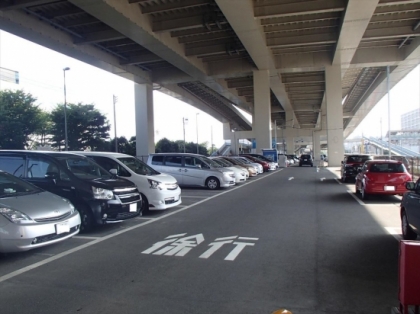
[(41, 74)]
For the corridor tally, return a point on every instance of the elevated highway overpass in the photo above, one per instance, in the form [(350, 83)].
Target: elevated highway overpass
[(312, 68)]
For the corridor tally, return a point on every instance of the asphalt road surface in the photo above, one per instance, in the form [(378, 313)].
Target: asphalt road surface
[(293, 239)]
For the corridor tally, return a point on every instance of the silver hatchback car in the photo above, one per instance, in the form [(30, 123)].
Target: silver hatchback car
[(31, 217)]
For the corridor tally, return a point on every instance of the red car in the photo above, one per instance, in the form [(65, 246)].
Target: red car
[(382, 177), (264, 164)]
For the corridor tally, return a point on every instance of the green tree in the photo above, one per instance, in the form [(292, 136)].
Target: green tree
[(42, 136), (19, 119), (86, 128), (166, 146)]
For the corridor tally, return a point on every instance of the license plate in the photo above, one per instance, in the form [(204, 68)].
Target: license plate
[(133, 207), (389, 188), (62, 227)]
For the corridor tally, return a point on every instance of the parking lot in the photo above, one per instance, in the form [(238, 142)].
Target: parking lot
[(294, 238)]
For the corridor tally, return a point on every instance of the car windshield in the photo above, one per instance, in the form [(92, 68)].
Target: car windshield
[(11, 186), (83, 167), (210, 162), (240, 161), (246, 160), (224, 162), (387, 168), (359, 159), (262, 158), (138, 166)]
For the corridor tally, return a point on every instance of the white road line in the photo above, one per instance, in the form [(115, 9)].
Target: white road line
[(322, 179), (395, 232), (226, 238), (247, 238), (356, 198), (183, 196), (142, 218), (86, 245), (44, 254), (291, 178), (86, 238), (338, 181)]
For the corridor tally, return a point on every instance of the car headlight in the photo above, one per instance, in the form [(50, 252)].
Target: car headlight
[(15, 216), (155, 184), (243, 173), (70, 205), (102, 194)]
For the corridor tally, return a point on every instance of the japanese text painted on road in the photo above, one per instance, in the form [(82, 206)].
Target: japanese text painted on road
[(180, 245)]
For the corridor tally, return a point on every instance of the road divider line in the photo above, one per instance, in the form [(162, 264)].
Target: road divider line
[(194, 196), (395, 232), (356, 198), (99, 240)]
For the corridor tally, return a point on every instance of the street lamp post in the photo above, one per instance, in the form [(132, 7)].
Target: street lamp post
[(196, 124), (115, 99), (234, 140), (66, 144), (211, 131), (184, 120)]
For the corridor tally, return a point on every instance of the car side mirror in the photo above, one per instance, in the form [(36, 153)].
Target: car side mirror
[(52, 175), (198, 166), (114, 172), (410, 185)]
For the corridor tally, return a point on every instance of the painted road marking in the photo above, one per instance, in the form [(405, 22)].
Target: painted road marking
[(338, 181), (86, 238), (356, 198), (86, 245), (178, 245), (291, 178), (395, 232), (183, 196), (322, 179), (364, 204)]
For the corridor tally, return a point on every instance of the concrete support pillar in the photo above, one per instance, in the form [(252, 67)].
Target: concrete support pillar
[(289, 133), (316, 147), (229, 134), (145, 129), (262, 110), (335, 137), (290, 145)]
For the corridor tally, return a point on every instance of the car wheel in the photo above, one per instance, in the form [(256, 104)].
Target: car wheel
[(213, 183), (86, 218), (364, 194), (144, 205), (407, 232)]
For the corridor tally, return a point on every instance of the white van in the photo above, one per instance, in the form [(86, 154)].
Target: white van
[(192, 170), (158, 190)]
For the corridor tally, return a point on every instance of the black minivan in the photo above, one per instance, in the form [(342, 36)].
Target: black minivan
[(99, 196)]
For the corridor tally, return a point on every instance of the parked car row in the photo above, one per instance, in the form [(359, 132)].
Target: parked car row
[(47, 197), (386, 177)]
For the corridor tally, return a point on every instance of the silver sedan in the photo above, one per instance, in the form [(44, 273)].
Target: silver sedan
[(31, 217)]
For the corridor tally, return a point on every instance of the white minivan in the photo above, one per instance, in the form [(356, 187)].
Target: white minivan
[(192, 169), (158, 190)]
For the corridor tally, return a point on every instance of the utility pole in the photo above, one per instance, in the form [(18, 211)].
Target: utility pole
[(389, 113), (184, 120), (115, 99), (211, 129), (196, 124)]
